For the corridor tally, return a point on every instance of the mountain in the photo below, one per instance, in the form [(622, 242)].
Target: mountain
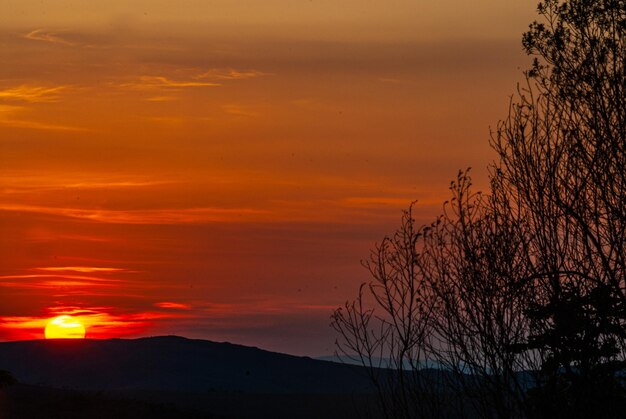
[(172, 363)]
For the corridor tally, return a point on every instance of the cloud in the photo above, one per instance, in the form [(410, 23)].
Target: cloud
[(75, 286), (80, 278), (7, 111), (209, 78), (161, 98), (24, 323), (36, 94), (19, 182), (19, 123), (100, 322), (114, 184), (235, 109), (150, 216), (45, 36), (170, 305), (162, 82), (82, 269), (231, 74), (8, 118), (377, 201)]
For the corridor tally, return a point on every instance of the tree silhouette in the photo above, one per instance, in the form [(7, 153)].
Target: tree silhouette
[(518, 296), (562, 159), (391, 343)]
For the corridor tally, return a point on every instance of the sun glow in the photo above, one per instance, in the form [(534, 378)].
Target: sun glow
[(65, 327)]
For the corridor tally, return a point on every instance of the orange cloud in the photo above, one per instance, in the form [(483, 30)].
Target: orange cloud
[(156, 216), (7, 111), (82, 269), (177, 306), (113, 184), (77, 280), (38, 125), (161, 98), (99, 322), (25, 323), (28, 93), (43, 35), (7, 118), (377, 201), (20, 182), (161, 82), (231, 74)]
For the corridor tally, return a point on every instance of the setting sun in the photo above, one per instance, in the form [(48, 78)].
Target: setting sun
[(65, 327)]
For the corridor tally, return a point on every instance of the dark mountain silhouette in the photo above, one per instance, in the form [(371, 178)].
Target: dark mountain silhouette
[(174, 364), (34, 402), (173, 377)]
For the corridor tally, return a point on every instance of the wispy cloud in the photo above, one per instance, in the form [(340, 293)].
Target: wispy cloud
[(9, 117), (377, 201), (99, 322), (80, 278), (24, 323), (162, 82), (153, 216), (25, 183), (8, 111), (231, 74), (171, 305), (82, 269), (114, 184), (161, 98), (166, 84), (47, 36), (20, 123), (29, 93)]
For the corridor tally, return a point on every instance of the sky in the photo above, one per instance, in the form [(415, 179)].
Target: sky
[(218, 169)]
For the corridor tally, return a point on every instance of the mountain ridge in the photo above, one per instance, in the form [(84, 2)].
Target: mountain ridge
[(174, 363)]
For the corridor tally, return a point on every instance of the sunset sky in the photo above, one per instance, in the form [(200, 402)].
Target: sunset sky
[(218, 168)]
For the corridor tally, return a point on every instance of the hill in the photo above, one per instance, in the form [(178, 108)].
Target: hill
[(173, 363)]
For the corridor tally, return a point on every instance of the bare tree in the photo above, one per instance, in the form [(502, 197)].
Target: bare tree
[(473, 260), (391, 343), (449, 310), (518, 296), (562, 158)]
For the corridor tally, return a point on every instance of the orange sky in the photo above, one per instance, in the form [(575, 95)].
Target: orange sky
[(218, 169)]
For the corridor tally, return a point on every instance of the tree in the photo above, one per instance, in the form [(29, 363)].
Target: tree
[(472, 262), (562, 158), (391, 343), (449, 312), (528, 280)]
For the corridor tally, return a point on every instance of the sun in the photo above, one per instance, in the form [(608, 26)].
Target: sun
[(64, 327)]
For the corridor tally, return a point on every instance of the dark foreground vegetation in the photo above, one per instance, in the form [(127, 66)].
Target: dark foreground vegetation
[(36, 402), (519, 293)]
